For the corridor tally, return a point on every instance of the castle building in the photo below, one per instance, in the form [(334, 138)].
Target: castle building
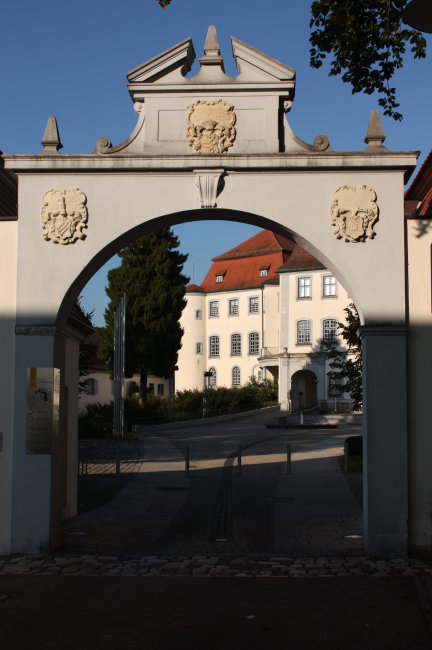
[(264, 310)]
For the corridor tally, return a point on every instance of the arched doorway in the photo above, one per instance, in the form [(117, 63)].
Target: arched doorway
[(303, 390), (75, 211)]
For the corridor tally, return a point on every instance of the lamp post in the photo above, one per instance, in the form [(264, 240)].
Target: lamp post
[(418, 14), (207, 375)]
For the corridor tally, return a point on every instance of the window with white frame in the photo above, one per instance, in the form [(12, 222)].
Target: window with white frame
[(198, 348), (214, 346), (214, 308), (263, 273), (335, 388), (219, 278), (304, 289), (329, 286), (254, 341), (236, 376), (89, 386), (198, 314), (330, 330), (233, 307), (212, 378), (235, 344), (160, 390), (254, 305), (303, 331)]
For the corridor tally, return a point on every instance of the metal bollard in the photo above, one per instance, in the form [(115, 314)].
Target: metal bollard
[(239, 459), (118, 461), (288, 459), (346, 456), (187, 463)]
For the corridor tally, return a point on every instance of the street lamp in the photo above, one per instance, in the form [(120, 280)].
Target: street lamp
[(418, 14), (207, 375)]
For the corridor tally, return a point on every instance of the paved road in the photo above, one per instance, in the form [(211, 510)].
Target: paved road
[(220, 509), (95, 613), (225, 601)]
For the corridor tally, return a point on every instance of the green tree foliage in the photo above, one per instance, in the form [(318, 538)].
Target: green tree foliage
[(150, 275), (86, 350), (346, 364), (367, 41)]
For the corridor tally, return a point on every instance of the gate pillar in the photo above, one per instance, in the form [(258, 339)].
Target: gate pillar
[(36, 497), (385, 490)]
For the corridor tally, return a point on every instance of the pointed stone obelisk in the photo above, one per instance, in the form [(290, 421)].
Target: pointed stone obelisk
[(375, 135), (51, 140), (212, 59)]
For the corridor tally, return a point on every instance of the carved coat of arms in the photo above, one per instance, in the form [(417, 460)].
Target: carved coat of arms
[(64, 215), (210, 126), (354, 212)]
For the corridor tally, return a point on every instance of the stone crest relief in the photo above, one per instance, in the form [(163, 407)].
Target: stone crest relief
[(354, 212), (64, 215), (210, 126)]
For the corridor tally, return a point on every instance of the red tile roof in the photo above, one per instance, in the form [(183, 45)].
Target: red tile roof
[(241, 266), (422, 181), (418, 197), (264, 243), (301, 260), (194, 288), (8, 195)]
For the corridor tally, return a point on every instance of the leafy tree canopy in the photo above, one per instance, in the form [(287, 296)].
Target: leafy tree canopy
[(346, 365), (150, 275), (366, 41)]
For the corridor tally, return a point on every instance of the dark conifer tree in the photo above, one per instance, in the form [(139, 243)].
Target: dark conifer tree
[(151, 277)]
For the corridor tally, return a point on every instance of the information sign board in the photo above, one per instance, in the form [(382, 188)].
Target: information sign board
[(43, 404)]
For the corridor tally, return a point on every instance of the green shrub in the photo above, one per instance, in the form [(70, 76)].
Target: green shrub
[(96, 421)]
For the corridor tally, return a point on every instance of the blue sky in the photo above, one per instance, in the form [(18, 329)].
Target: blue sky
[(70, 59)]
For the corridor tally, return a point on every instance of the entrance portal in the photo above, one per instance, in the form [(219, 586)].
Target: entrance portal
[(212, 147), (303, 390)]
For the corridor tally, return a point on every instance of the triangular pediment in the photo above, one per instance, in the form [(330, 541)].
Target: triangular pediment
[(172, 65), (254, 65)]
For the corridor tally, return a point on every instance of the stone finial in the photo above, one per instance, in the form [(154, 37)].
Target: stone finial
[(375, 135), (212, 55), (51, 140)]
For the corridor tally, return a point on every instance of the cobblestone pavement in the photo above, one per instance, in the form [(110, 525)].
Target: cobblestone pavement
[(221, 506), (216, 566), (104, 456)]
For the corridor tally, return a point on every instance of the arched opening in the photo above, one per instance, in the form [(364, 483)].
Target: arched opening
[(249, 344), (303, 390)]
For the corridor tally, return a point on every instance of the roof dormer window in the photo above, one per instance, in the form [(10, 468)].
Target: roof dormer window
[(219, 278), (263, 273)]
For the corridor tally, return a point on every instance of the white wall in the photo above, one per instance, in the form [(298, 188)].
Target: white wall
[(419, 342), (8, 262), (265, 322)]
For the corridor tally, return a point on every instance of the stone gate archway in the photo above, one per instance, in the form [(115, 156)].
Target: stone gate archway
[(207, 146)]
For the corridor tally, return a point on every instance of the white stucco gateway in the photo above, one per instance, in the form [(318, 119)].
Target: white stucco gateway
[(207, 146)]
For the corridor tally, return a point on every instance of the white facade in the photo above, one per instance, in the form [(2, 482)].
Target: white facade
[(225, 332), (276, 331), (312, 304), (99, 388)]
